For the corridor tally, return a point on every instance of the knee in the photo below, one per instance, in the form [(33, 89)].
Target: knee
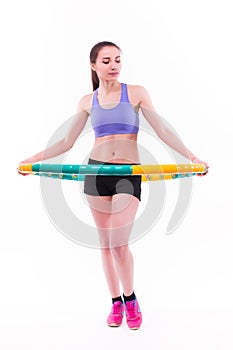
[(106, 251), (120, 252)]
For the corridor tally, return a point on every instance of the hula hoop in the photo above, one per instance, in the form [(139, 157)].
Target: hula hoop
[(148, 172)]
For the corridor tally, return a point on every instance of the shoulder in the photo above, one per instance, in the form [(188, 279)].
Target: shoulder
[(138, 92), (85, 103), (137, 89)]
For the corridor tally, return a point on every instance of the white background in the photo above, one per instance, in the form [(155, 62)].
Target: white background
[(53, 293)]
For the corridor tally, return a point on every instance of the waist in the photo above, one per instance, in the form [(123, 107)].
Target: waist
[(100, 162), (120, 148)]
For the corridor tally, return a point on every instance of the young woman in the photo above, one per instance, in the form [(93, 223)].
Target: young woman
[(114, 111)]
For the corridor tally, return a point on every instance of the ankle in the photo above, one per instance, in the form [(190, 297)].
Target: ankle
[(129, 297), (117, 299)]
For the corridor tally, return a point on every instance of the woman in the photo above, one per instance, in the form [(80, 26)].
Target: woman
[(113, 108)]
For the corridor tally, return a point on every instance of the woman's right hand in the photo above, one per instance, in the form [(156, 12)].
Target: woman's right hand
[(26, 161), (22, 173)]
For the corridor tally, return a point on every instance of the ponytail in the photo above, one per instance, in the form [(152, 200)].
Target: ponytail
[(95, 80)]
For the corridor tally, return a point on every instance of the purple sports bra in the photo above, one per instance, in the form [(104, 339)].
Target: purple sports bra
[(121, 119)]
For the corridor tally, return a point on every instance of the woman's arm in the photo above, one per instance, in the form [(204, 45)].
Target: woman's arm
[(165, 134), (67, 142)]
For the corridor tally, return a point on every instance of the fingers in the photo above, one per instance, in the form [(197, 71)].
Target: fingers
[(198, 161), (203, 174), (19, 171)]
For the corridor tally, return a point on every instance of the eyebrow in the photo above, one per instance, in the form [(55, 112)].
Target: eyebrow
[(104, 58)]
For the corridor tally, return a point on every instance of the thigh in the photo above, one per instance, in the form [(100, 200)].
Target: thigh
[(101, 209), (124, 210)]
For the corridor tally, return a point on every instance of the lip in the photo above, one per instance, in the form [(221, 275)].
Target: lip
[(115, 73)]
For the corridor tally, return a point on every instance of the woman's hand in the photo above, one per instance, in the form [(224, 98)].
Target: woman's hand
[(22, 173), (26, 161), (198, 161)]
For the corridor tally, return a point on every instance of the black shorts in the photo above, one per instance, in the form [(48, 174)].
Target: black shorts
[(108, 185)]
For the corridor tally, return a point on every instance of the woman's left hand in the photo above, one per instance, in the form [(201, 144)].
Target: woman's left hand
[(198, 161)]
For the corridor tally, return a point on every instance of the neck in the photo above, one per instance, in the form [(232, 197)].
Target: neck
[(107, 87)]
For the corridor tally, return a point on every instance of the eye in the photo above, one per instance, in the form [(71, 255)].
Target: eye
[(106, 62)]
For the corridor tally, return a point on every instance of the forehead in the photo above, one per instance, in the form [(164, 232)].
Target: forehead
[(109, 51)]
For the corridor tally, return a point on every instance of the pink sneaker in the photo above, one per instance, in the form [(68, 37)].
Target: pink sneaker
[(116, 315), (133, 314)]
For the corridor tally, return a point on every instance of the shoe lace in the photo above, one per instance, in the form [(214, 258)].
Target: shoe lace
[(131, 309), (116, 308)]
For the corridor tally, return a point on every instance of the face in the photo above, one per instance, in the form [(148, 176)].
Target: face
[(108, 63)]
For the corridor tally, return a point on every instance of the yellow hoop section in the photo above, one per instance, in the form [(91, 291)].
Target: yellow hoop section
[(167, 169), (27, 168)]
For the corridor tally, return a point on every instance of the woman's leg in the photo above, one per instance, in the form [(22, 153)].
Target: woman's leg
[(101, 208), (124, 209), (114, 219)]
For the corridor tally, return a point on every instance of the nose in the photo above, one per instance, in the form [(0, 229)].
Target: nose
[(113, 66)]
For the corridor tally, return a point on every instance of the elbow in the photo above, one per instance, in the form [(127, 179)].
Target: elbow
[(67, 145)]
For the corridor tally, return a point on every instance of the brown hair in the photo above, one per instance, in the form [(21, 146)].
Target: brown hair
[(93, 56)]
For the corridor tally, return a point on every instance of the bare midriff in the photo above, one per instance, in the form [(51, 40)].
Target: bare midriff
[(119, 148)]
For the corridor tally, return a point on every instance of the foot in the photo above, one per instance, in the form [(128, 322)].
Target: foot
[(133, 314), (115, 317)]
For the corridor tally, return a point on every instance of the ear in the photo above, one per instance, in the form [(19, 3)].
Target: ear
[(92, 66)]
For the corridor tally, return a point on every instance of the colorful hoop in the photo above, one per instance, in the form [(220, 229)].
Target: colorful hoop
[(78, 172)]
